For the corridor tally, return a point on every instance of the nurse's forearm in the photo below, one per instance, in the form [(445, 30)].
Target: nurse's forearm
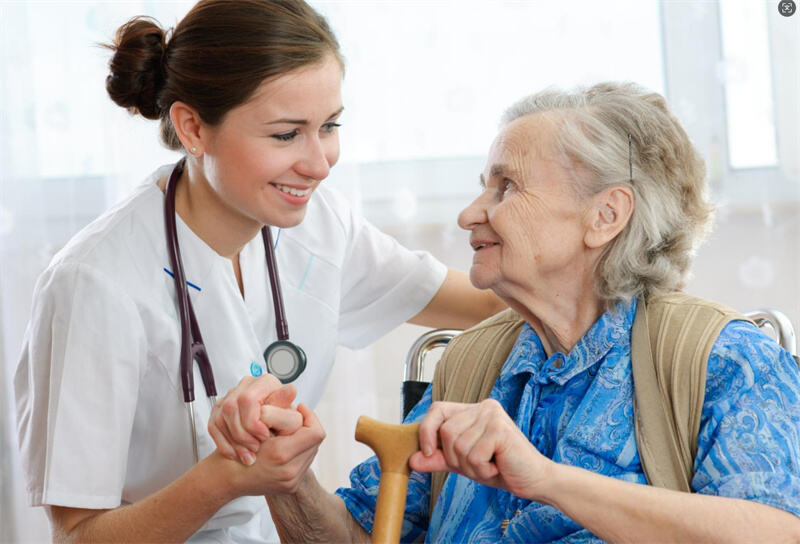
[(172, 514), (313, 515), (458, 305)]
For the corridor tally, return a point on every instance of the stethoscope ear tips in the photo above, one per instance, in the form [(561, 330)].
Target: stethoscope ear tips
[(285, 360)]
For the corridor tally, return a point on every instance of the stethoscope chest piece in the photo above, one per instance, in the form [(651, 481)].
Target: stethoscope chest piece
[(285, 360)]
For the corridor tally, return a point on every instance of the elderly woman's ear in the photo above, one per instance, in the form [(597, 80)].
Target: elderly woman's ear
[(607, 214)]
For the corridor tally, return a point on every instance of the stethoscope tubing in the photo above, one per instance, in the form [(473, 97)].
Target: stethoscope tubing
[(192, 346), (281, 326)]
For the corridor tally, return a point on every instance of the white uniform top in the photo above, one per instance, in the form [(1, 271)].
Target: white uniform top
[(100, 409)]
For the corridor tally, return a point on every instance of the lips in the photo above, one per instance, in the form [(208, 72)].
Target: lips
[(294, 191), (479, 245)]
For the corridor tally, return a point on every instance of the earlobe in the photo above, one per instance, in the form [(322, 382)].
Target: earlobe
[(188, 125)]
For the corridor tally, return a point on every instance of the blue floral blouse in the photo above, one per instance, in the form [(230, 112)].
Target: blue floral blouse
[(577, 409)]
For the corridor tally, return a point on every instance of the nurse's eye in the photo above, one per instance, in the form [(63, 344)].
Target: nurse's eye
[(285, 136), (331, 127)]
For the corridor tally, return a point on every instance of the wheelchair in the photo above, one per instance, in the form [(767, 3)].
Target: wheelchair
[(414, 384)]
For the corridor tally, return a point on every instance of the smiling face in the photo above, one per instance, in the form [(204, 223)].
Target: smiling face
[(527, 226), (268, 155)]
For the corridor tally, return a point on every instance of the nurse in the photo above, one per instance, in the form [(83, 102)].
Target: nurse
[(249, 93)]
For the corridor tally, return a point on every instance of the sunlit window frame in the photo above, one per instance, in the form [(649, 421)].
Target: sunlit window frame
[(692, 45)]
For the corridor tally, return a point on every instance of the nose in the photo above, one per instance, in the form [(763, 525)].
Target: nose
[(318, 157), (473, 215)]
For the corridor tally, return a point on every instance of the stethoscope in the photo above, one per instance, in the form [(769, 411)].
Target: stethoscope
[(285, 360)]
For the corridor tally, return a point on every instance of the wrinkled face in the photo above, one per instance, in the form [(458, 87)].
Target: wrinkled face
[(268, 155), (527, 226)]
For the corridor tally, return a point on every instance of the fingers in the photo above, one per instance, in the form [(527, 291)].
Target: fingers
[(235, 422), (481, 458), (226, 444), (281, 421), (458, 430), (470, 436), (247, 409), (310, 420), (222, 440), (285, 459), (310, 435), (438, 413), (283, 397)]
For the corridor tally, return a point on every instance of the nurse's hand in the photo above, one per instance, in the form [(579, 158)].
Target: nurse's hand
[(282, 460), (251, 412), (480, 441)]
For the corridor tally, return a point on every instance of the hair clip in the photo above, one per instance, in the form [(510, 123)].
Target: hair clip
[(630, 157)]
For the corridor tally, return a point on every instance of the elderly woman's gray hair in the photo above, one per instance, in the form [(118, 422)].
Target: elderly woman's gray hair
[(596, 130)]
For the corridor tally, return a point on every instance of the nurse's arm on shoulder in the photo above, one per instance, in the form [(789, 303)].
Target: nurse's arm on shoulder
[(458, 305), (176, 512)]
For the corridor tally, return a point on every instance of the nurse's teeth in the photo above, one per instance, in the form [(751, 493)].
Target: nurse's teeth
[(293, 191)]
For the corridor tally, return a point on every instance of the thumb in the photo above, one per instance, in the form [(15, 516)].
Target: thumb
[(433, 463)]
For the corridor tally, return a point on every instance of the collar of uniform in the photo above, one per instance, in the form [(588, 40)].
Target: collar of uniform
[(197, 257), (528, 353)]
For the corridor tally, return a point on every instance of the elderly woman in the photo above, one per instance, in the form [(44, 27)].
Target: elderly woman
[(592, 202)]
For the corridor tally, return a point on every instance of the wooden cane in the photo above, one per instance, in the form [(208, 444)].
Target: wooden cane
[(394, 445)]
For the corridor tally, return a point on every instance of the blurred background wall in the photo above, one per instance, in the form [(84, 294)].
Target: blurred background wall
[(426, 83)]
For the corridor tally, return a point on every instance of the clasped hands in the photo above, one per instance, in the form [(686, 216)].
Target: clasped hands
[(257, 423)]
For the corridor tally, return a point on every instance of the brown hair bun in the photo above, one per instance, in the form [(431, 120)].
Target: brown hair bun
[(136, 68)]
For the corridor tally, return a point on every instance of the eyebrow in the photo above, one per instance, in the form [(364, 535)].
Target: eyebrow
[(303, 121), (501, 170)]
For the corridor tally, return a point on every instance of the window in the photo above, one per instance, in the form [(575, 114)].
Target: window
[(426, 84)]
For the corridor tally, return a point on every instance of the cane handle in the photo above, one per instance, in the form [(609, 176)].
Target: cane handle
[(394, 445)]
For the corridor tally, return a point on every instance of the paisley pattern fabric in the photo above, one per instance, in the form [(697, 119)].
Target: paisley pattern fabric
[(577, 409)]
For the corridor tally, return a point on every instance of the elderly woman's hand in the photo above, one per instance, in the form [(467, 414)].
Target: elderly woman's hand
[(482, 443), (251, 412)]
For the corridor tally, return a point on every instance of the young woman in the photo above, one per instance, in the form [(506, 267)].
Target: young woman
[(249, 92)]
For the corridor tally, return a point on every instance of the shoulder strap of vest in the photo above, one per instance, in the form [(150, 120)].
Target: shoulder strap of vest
[(470, 366), (671, 341)]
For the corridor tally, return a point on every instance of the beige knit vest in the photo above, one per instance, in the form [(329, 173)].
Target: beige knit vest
[(669, 375)]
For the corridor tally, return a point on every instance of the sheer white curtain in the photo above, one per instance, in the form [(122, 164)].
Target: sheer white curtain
[(426, 82), (66, 154)]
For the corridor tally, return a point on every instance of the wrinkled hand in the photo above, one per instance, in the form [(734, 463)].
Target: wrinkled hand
[(251, 413), (481, 442)]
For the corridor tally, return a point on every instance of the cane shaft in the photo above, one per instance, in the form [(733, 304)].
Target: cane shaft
[(390, 508)]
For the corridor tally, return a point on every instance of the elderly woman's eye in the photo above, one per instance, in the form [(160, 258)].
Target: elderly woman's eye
[(504, 186)]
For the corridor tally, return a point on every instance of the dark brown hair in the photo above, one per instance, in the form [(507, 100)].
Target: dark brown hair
[(214, 59)]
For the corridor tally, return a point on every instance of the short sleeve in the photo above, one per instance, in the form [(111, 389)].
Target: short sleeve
[(362, 495), (749, 439), (383, 284), (76, 388)]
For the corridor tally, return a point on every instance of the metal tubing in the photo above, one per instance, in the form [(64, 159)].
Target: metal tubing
[(414, 370)]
